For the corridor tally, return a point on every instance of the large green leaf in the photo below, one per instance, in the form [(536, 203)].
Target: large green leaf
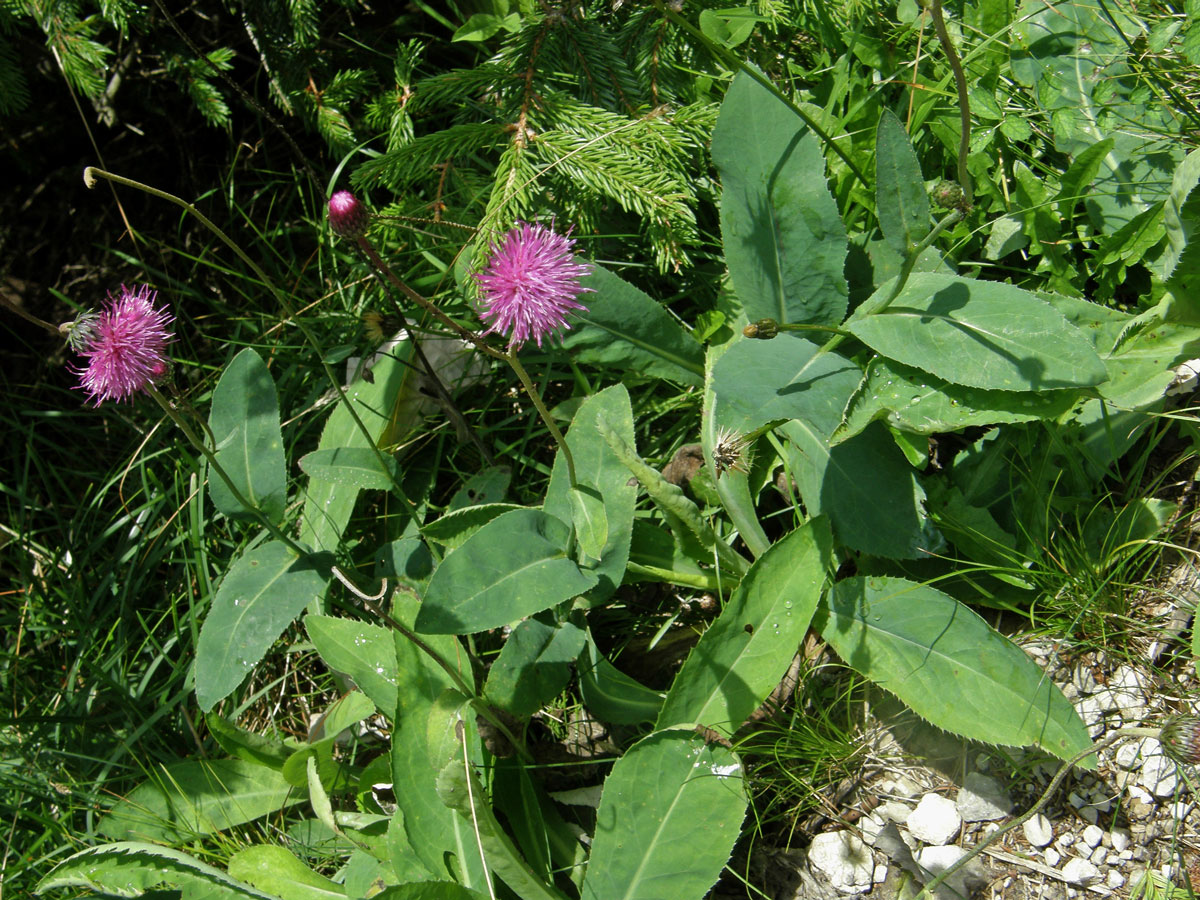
[(610, 694), (261, 594), (982, 334), (367, 653), (948, 665), (245, 426), (915, 401), (1181, 214), (599, 470), (900, 198), (437, 836), (514, 566), (785, 243), (275, 869), (756, 382), (197, 797), (671, 810), (625, 329), (429, 890), (743, 654), (534, 665), (453, 529), (129, 869), (866, 487)]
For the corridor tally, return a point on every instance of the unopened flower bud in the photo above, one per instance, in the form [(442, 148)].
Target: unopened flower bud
[(1180, 738), (763, 329), (347, 216), (947, 195), (79, 332)]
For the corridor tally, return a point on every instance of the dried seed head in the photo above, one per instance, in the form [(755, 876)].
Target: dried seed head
[(1180, 739), (731, 451)]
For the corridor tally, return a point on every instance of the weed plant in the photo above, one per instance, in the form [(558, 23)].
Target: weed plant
[(724, 173)]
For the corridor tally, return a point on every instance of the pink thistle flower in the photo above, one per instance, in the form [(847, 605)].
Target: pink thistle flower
[(347, 216), (126, 350), (530, 283)]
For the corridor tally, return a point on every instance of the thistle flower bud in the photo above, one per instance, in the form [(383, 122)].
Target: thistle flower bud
[(763, 329), (947, 195), (80, 331), (1180, 739), (347, 216)]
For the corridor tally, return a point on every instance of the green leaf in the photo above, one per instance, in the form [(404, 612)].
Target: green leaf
[(624, 329), (1181, 218), (756, 382), (785, 243), (513, 567), (670, 813), (983, 334), (380, 405), (948, 665), (183, 800), (129, 869), (367, 653), (611, 695), (534, 665), (429, 890), (1080, 175), (260, 596), (453, 529), (273, 868), (460, 789), (357, 467), (866, 487), (743, 654), (915, 401), (609, 498), (245, 426), (431, 832), (247, 745), (900, 198)]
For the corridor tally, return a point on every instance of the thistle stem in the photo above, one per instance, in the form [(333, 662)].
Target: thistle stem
[(536, 397)]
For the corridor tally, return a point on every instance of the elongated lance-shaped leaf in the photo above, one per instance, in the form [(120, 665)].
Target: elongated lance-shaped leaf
[(948, 665), (785, 243), (983, 334), (611, 695), (270, 867), (461, 790), (352, 467), (671, 810), (128, 869), (367, 653), (900, 198), (514, 566), (249, 446), (534, 664), (197, 797), (629, 331), (681, 513), (743, 654), (259, 597)]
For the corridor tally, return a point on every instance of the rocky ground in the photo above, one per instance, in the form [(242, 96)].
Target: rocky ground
[(1128, 828)]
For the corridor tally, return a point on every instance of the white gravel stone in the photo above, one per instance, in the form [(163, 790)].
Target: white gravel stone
[(1092, 835), (1066, 839), (1092, 715), (1099, 856), (893, 811), (1181, 809), (935, 820), (1076, 801), (1158, 775), (1038, 831), (982, 799), (938, 859), (1089, 815), (1083, 679), (1080, 872), (1052, 857), (844, 860), (1115, 879), (1120, 840)]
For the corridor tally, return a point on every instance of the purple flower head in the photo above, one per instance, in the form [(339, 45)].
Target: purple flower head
[(126, 352), (530, 283), (347, 216)]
